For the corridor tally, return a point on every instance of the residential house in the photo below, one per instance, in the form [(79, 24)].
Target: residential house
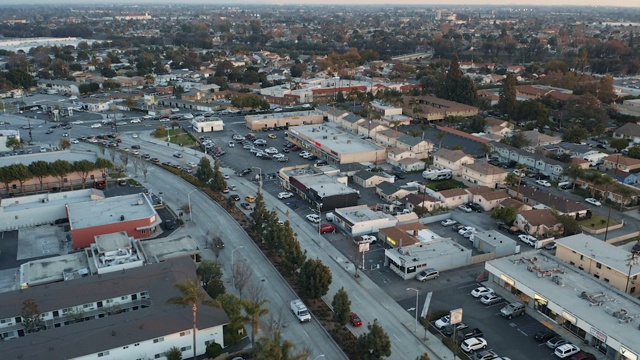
[(535, 163), (369, 179), (60, 86), (452, 197), (489, 199), (350, 122), (331, 113), (497, 126), (621, 162), (484, 174), (384, 109), (537, 140), (630, 131), (391, 192), (411, 164), (538, 222), (623, 176), (388, 137), (581, 163), (394, 155), (452, 160), (518, 205), (542, 198), (618, 193), (571, 149), (369, 128), (423, 200), (420, 147), (431, 108)]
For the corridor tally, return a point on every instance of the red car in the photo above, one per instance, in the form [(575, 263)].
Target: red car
[(295, 148), (355, 320), (328, 228)]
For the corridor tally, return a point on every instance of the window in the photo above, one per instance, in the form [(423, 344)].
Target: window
[(599, 266), (160, 339), (185, 333), (125, 347), (65, 180), (581, 257), (143, 231), (123, 298), (104, 353)]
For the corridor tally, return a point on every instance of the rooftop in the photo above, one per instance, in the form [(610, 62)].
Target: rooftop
[(161, 249), (49, 157), (574, 293), (612, 256), (418, 253), (282, 115), (110, 210), (53, 269), (329, 136), (202, 119), (360, 213)]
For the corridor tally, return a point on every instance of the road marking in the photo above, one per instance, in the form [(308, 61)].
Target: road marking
[(523, 333), (397, 338)]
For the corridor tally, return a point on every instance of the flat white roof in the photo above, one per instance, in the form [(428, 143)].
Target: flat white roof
[(282, 115), (53, 269), (360, 213), (418, 253), (329, 136), (605, 253), (568, 300), (110, 210), (161, 249)]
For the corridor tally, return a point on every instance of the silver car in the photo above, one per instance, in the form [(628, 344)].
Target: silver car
[(427, 274)]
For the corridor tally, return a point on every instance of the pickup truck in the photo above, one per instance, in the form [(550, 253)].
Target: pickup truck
[(300, 310)]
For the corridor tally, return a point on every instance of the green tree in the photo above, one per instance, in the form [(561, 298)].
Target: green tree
[(259, 214), (619, 144), (294, 256), (192, 295), (173, 354), (570, 226), (505, 214), (275, 348), (31, 318), (13, 143), (314, 279), (83, 168), (511, 179), (6, 177), (218, 183), (573, 172), (424, 356), (129, 102), (254, 310), (60, 169), (518, 140), (160, 132), (40, 169), (204, 172), (341, 307), (587, 111), (64, 144), (210, 274), (21, 173), (575, 134), (234, 330), (508, 103), (440, 135), (104, 165), (214, 349), (634, 152), (375, 344)]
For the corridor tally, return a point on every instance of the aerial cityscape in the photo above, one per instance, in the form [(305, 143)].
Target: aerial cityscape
[(320, 180)]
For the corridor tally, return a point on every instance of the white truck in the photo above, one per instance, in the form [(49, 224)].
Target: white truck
[(300, 310)]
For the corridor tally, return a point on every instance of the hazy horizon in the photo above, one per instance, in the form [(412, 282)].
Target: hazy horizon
[(518, 3)]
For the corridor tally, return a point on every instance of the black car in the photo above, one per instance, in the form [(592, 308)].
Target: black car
[(475, 207), (135, 146), (235, 197), (455, 228), (312, 158), (244, 172), (468, 333), (169, 224), (398, 175), (544, 335), (448, 330)]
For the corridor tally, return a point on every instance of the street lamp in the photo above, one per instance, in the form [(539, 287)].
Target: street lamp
[(189, 200), (320, 221), (233, 278), (417, 297), (632, 259), (259, 177)]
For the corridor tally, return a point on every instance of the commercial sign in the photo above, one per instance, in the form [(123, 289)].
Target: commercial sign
[(598, 334), (508, 280), (628, 355), (456, 316), (569, 317), (391, 241)]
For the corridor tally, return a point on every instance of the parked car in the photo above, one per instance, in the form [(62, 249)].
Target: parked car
[(365, 238), (427, 274), (465, 229), (513, 309), (487, 355), (449, 329), (448, 222), (544, 183), (473, 344), (285, 195), (551, 246), (442, 322), (481, 291), (593, 202), (314, 218), (554, 342), (465, 208), (528, 239), (544, 335), (469, 333), (582, 355), (328, 228), (169, 224), (566, 350), (491, 299)]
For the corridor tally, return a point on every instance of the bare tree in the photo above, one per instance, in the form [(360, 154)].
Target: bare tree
[(274, 323), (241, 275), (112, 154), (136, 161), (144, 166), (124, 158), (255, 292), (102, 148)]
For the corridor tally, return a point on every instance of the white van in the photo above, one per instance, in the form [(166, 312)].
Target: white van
[(329, 216)]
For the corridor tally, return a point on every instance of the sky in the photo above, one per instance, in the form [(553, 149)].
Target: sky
[(625, 3)]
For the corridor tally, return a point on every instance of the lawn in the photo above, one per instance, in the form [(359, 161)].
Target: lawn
[(180, 137), (597, 222), (445, 185)]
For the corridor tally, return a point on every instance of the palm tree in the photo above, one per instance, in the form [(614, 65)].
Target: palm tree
[(521, 169), (440, 136), (573, 172), (253, 311), (192, 295), (274, 348), (606, 181), (486, 149), (625, 193)]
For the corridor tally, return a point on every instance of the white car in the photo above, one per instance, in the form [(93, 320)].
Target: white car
[(187, 116), (278, 156), (448, 222), (304, 154), (136, 121), (65, 134), (528, 239), (271, 150), (593, 201), (519, 173), (95, 126), (121, 123), (481, 291), (491, 299), (78, 122), (465, 229), (566, 350), (75, 141), (442, 322), (465, 208), (313, 218), (473, 344), (365, 239), (544, 183), (135, 136), (467, 234), (285, 195)]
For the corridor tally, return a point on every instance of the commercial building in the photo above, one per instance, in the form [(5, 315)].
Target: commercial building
[(294, 118), (133, 214), (592, 309), (338, 147), (119, 315), (6, 135), (492, 241), (602, 260), (323, 188), (362, 220), (201, 124), (432, 108)]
